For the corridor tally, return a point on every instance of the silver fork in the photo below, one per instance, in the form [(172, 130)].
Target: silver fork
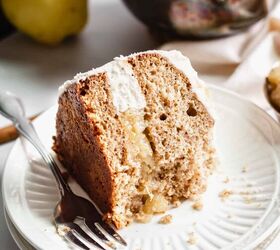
[(76, 218)]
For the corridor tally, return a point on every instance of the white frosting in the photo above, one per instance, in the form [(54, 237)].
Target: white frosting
[(183, 63), (124, 86), (125, 89)]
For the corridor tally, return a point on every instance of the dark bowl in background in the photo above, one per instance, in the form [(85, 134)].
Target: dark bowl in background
[(197, 19), (5, 27)]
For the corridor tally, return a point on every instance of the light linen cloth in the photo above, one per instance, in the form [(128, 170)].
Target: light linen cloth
[(239, 63)]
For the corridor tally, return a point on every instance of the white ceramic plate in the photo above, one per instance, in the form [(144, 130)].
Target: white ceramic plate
[(247, 141)]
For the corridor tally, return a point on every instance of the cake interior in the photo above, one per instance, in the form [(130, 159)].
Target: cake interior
[(158, 155)]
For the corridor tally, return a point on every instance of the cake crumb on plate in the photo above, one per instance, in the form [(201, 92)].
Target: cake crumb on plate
[(225, 194), (226, 180), (62, 230), (192, 240), (248, 199), (166, 219), (197, 205), (143, 218)]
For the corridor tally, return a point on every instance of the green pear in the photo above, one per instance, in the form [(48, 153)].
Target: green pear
[(47, 21)]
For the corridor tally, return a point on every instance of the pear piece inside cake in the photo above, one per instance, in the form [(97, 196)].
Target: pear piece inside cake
[(136, 134)]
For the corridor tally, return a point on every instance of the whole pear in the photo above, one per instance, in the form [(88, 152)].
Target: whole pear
[(47, 21)]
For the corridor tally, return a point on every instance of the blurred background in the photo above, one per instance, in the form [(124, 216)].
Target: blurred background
[(44, 43)]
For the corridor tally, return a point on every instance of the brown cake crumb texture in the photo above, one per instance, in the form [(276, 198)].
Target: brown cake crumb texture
[(137, 163)]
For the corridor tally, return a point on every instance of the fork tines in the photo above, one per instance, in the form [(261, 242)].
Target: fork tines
[(111, 232), (85, 232), (77, 233)]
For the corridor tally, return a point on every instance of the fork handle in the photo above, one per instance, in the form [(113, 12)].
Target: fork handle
[(26, 129)]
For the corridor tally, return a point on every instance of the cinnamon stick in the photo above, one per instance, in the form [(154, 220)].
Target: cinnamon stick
[(274, 24), (10, 133)]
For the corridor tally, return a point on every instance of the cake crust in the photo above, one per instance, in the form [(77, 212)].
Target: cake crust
[(79, 143)]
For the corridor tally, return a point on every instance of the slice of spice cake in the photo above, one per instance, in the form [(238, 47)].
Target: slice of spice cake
[(137, 134)]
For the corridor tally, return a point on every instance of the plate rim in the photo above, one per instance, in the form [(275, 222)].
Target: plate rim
[(15, 234)]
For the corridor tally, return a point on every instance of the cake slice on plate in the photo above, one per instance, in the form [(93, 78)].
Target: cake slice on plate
[(136, 134)]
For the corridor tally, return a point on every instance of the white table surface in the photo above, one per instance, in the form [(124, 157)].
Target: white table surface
[(34, 72)]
